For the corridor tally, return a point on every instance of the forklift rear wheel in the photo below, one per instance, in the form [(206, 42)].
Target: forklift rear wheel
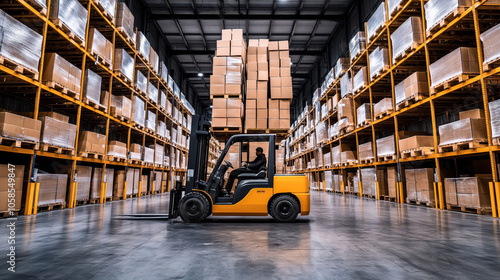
[(284, 208), (194, 207)]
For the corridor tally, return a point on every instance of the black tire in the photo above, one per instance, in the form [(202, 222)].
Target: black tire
[(194, 207), (284, 208)]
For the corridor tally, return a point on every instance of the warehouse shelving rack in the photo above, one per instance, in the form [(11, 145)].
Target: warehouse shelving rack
[(41, 95), (476, 19)]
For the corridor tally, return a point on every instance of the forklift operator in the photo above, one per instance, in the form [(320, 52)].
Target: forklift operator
[(248, 167)]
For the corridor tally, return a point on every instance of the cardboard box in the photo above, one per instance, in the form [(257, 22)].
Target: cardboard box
[(52, 189), (420, 185), (223, 52), (219, 61), (468, 192), (263, 75), (274, 123), (261, 94), (19, 127), (250, 123), (262, 113), (227, 34), (53, 115), (284, 54), (92, 142), (285, 72), (287, 93), (262, 123), (234, 122), (392, 180), (251, 94), (117, 149), (472, 114), (462, 131), (219, 70), (18, 173), (100, 45), (219, 122), (59, 70), (416, 142), (366, 151), (233, 89), (58, 133), (237, 34), (460, 61), (283, 45), (273, 46)]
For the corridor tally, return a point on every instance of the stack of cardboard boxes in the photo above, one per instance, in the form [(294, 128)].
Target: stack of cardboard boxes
[(227, 79), (19, 127), (61, 72), (57, 131), (256, 113), (281, 85)]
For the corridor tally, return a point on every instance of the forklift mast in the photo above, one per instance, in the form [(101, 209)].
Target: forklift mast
[(198, 152)]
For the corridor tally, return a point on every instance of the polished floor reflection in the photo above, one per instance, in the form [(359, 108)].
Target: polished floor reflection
[(345, 237)]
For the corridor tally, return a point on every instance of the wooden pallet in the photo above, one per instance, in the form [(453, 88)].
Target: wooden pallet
[(119, 117), (226, 96), (406, 51), (140, 92), (42, 10), (124, 78), (369, 196), (377, 31), (226, 129), (50, 207), (388, 198), (409, 101), (477, 143), (364, 123), (383, 114), (423, 151), (387, 158), (358, 90), (101, 59), (82, 202), (349, 163), (103, 10), (56, 149), (63, 89), (421, 203), (95, 105), (149, 130), (108, 199), (8, 214), (380, 72), (469, 209), (346, 130), (95, 200), (139, 126), (353, 59), (447, 19), (449, 83), (367, 161), (116, 159), (129, 39), (68, 32), (93, 155), (487, 66), (18, 68), (495, 141), (18, 143)]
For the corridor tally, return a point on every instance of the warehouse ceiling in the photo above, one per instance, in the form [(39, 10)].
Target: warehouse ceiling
[(192, 27)]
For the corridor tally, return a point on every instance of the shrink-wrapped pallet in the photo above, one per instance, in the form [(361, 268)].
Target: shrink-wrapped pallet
[(407, 37), (345, 109), (124, 63), (472, 192), (348, 156), (139, 114), (19, 43), (151, 120), (153, 93), (414, 85), (141, 82), (393, 6), (163, 99), (369, 181), (438, 10), (376, 22), (382, 106), (70, 13), (125, 20), (366, 151), (99, 45), (143, 45), (491, 44), (324, 110), (162, 129), (148, 155), (171, 83), (164, 72), (159, 154), (118, 184), (117, 149), (495, 121), (52, 188), (341, 66), (379, 62), (109, 6), (58, 70), (392, 180), (416, 142), (328, 180), (96, 186), (321, 131), (386, 146), (154, 60), (360, 80), (345, 85), (333, 131), (363, 114), (336, 178), (357, 45), (92, 86), (420, 185), (84, 179), (463, 131), (58, 133), (461, 61), (327, 157), (91, 142), (19, 127), (336, 155), (109, 180), (121, 106)]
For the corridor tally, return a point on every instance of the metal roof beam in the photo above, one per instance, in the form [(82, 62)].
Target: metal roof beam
[(212, 52), (168, 16)]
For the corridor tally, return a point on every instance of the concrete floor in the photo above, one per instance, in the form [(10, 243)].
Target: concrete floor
[(345, 237)]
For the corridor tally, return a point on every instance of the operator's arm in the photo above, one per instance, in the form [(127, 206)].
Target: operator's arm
[(257, 162)]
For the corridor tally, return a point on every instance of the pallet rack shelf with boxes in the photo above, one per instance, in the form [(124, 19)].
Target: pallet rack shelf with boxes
[(433, 54), (73, 76)]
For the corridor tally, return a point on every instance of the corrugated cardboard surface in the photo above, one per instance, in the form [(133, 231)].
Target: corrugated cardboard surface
[(84, 180), (95, 189), (468, 191), (118, 183), (92, 142), (420, 185), (18, 171), (19, 127), (463, 130), (52, 188), (416, 142)]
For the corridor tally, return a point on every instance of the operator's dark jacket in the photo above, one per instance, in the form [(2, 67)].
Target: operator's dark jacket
[(257, 163)]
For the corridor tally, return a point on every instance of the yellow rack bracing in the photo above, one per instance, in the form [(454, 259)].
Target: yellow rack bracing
[(460, 29)]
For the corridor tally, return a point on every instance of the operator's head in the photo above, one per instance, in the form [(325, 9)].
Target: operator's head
[(259, 151)]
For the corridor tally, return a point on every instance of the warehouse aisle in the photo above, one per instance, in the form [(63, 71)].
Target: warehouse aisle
[(344, 238)]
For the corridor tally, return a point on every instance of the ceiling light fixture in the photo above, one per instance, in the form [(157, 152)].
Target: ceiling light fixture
[(200, 74)]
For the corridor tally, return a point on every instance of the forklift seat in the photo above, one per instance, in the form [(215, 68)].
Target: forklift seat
[(259, 175)]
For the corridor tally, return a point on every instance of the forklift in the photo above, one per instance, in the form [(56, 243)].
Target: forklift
[(256, 194)]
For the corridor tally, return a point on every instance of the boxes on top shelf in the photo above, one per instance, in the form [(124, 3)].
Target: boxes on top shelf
[(71, 14), (125, 20), (109, 6), (143, 45), (438, 10), (376, 22), (356, 46), (19, 43), (164, 72), (491, 45), (456, 65), (393, 6), (154, 60), (341, 66), (407, 37)]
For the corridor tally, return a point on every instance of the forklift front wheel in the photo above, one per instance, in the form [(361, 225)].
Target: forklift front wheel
[(194, 207), (284, 208)]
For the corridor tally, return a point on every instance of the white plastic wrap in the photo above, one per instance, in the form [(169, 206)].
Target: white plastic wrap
[(137, 154), (141, 81), (143, 45), (324, 111), (360, 80), (151, 120), (363, 114), (333, 130), (460, 61), (438, 10), (420, 185), (163, 99), (327, 157), (348, 156), (95, 188), (341, 66), (376, 22), (321, 132), (393, 5), (19, 43), (345, 86), (328, 180), (98, 44), (149, 155), (52, 188), (124, 63), (159, 154), (125, 20), (382, 106), (92, 86), (162, 129), (357, 45), (491, 44), (386, 146), (463, 131), (117, 149), (72, 14), (379, 62), (153, 93), (58, 133), (109, 6), (139, 114), (495, 120), (154, 60), (336, 155), (164, 72), (369, 181), (366, 151), (177, 90), (408, 36), (171, 83)]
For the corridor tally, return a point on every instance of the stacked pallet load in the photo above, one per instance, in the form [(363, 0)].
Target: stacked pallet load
[(125, 22), (420, 186), (257, 68), (52, 190), (467, 133), (60, 74), (226, 83), (58, 135), (281, 85), (70, 16), (19, 131), (468, 194), (412, 89), (6, 184)]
